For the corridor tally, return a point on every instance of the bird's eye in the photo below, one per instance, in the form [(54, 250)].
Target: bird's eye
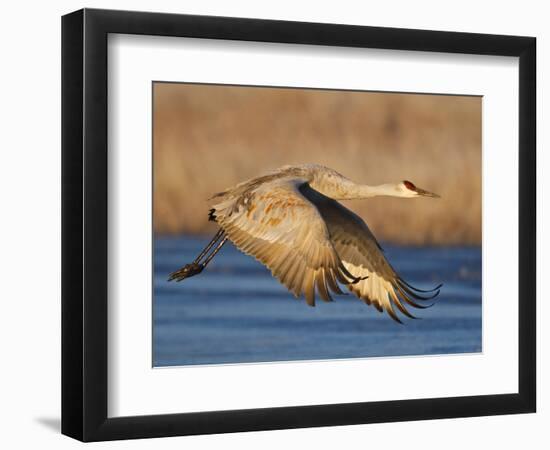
[(409, 185)]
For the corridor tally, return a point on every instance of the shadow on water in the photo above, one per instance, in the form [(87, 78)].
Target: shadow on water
[(236, 312)]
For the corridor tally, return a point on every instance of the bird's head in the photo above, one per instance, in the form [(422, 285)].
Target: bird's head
[(409, 190)]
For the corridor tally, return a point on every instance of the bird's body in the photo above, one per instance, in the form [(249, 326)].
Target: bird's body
[(290, 221)]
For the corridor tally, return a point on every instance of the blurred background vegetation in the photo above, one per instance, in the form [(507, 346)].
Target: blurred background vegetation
[(209, 137)]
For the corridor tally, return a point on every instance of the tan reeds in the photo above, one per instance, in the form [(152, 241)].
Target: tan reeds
[(207, 138)]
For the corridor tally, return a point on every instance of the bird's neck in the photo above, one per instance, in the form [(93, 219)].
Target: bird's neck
[(336, 186), (359, 191), (346, 189)]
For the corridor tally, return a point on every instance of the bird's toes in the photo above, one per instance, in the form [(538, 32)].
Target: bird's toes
[(186, 271)]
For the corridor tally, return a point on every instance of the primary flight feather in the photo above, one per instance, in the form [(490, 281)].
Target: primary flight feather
[(290, 221)]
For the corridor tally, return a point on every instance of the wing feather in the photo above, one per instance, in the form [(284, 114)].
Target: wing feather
[(276, 224), (378, 284), (321, 284)]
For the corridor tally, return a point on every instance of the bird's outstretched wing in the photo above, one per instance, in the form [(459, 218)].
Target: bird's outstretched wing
[(277, 225), (361, 254)]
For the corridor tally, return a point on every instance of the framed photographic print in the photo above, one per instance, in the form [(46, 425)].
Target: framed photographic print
[(273, 224)]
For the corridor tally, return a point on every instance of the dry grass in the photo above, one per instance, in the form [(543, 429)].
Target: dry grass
[(207, 138)]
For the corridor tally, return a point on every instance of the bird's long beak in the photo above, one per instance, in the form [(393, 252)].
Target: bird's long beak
[(424, 193)]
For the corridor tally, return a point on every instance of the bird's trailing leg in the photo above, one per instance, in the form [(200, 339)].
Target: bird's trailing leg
[(200, 262)]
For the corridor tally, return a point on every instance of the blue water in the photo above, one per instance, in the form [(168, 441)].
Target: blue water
[(235, 312)]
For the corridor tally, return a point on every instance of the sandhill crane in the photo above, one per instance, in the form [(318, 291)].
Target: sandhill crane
[(291, 222)]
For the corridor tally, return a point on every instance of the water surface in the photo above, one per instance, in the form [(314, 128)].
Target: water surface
[(236, 312)]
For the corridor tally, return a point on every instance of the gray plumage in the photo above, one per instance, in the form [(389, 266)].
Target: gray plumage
[(290, 221)]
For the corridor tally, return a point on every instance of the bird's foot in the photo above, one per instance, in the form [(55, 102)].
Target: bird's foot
[(186, 271)]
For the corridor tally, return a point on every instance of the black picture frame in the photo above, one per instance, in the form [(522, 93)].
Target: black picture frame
[(84, 224)]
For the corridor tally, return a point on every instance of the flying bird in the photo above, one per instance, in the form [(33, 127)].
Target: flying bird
[(291, 221)]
